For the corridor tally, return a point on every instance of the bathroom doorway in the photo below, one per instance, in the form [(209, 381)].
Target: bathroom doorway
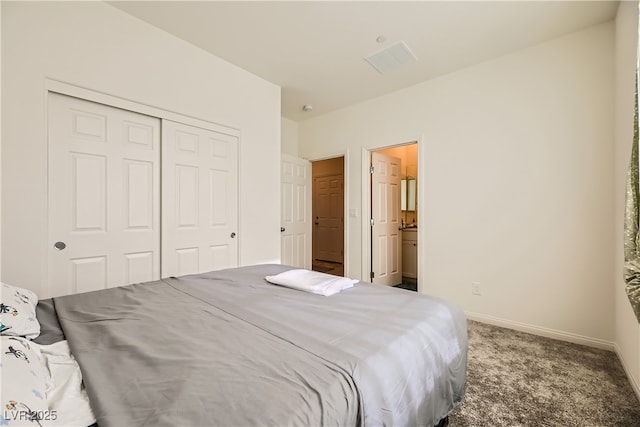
[(394, 209)]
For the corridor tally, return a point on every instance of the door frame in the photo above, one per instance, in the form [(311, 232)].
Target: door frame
[(366, 206), (346, 227), (56, 86)]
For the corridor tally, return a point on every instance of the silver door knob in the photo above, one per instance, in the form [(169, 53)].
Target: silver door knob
[(233, 235), (60, 245)]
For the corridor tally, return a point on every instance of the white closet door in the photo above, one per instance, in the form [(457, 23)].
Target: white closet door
[(199, 200), (295, 242), (104, 204), (386, 249)]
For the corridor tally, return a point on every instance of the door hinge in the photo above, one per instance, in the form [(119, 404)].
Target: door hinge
[(372, 275), (370, 169), (371, 222)]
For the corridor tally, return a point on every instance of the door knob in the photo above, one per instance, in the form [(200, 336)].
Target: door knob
[(317, 221), (233, 235), (59, 245), (282, 229)]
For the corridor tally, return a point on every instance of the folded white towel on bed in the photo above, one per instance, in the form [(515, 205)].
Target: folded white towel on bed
[(312, 281)]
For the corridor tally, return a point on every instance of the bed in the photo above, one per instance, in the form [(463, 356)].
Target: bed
[(228, 348)]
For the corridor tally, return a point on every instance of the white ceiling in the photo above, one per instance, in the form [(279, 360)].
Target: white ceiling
[(315, 50)]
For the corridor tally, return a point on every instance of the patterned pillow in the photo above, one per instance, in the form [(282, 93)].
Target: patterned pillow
[(24, 383), (18, 312)]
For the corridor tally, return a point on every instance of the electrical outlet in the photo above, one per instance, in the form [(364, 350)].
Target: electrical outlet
[(475, 288)]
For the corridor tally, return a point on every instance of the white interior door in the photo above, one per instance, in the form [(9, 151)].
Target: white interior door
[(386, 239), (104, 188), (295, 242), (199, 200)]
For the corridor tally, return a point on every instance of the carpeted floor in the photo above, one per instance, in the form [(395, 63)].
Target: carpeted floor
[(519, 379)]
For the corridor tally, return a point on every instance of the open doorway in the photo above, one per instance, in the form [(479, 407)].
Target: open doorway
[(327, 209), (394, 224)]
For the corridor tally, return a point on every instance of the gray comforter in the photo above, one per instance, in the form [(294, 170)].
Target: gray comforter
[(227, 348)]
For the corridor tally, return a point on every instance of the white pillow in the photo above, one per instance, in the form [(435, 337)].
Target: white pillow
[(24, 383), (312, 281), (18, 312)]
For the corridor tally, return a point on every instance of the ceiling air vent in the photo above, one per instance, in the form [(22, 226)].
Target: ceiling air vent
[(391, 57)]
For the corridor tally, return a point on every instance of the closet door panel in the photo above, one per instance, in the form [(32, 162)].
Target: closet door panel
[(104, 188), (200, 200), (139, 195), (139, 266)]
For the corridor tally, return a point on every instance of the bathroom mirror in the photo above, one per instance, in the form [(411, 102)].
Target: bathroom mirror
[(403, 194), (408, 194), (411, 195)]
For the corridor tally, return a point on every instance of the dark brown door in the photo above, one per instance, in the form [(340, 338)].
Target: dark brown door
[(328, 210), (328, 220)]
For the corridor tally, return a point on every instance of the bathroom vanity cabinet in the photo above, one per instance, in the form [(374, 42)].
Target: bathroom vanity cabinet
[(410, 253)]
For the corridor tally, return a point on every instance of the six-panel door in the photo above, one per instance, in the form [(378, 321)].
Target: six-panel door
[(295, 234), (104, 196), (199, 200), (107, 224), (386, 250)]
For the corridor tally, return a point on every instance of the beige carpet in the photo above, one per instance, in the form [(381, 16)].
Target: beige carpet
[(519, 379)]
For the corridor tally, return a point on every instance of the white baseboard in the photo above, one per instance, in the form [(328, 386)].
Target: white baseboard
[(545, 332), (632, 381)]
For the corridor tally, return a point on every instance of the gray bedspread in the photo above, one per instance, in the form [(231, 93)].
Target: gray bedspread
[(227, 348)]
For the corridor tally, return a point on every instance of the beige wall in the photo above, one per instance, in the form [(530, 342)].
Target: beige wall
[(289, 136), (627, 330), (98, 47), (515, 183)]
